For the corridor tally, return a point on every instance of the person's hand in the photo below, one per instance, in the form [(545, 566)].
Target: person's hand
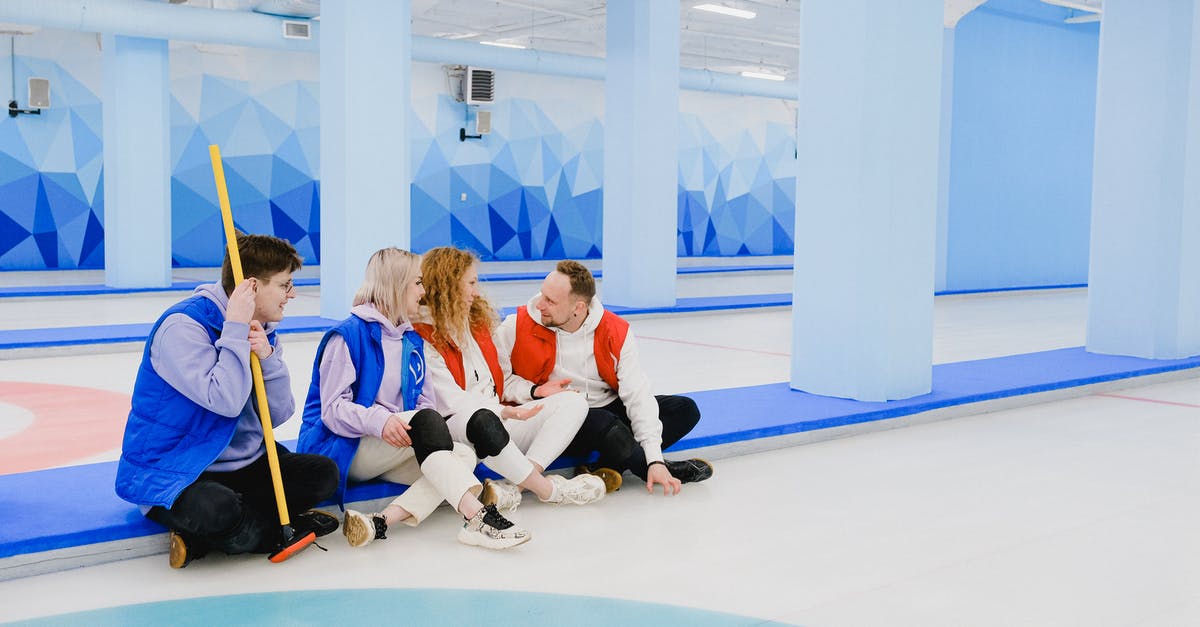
[(258, 340), (550, 388), (395, 432), (520, 413), (658, 473), (241, 302)]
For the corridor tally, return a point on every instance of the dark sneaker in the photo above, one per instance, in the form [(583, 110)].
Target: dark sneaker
[(316, 521), (690, 470), (611, 478), (362, 529), (488, 529), (178, 555)]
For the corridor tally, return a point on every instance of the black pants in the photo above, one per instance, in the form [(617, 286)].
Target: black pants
[(235, 511), (608, 430)]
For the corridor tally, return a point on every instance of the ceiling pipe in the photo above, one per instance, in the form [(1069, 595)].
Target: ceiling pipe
[(160, 20), (157, 20)]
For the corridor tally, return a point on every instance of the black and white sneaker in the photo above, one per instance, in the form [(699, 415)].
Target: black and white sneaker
[(362, 529), (488, 529), (690, 470)]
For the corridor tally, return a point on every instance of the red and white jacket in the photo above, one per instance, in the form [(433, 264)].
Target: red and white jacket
[(463, 378), (600, 358)]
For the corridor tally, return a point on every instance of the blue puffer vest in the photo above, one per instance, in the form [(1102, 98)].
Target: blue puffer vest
[(364, 340), (169, 439)]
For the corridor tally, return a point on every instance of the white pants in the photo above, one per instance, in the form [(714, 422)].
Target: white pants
[(445, 475), (538, 440)]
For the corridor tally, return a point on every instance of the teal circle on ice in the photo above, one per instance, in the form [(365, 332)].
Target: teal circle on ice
[(384, 606)]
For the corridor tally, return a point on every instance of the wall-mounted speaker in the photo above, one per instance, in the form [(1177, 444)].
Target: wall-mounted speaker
[(483, 122), (39, 93)]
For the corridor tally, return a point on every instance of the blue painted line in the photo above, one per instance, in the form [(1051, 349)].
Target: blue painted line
[(95, 289), (109, 334), (104, 290), (117, 333), (1025, 288)]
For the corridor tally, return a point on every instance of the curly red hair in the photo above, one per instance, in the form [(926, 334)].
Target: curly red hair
[(443, 269)]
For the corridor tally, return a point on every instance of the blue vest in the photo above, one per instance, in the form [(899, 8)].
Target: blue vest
[(169, 439), (364, 340)]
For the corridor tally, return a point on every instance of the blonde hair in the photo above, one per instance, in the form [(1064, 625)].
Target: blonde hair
[(443, 269), (389, 272)]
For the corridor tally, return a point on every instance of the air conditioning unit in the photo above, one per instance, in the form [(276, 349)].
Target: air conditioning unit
[(479, 86)]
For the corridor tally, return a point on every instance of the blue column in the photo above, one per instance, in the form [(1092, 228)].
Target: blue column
[(137, 162), (641, 171), (944, 130), (1144, 268), (866, 197), (366, 72)]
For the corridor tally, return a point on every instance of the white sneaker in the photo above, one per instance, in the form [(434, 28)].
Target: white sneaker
[(579, 490), (504, 494), (490, 530), (361, 529)]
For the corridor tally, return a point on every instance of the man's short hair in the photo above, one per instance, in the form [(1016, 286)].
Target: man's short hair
[(583, 284), (263, 256)]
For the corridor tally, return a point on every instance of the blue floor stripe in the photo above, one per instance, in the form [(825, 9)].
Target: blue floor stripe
[(108, 334), (64, 507), (96, 289)]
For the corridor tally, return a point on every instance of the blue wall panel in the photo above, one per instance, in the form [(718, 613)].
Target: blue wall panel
[(1021, 150)]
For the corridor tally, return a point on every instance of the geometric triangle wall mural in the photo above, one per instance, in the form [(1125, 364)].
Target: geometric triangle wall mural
[(530, 189)]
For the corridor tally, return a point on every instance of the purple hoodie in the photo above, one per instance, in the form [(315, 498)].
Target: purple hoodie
[(338, 410), (217, 376)]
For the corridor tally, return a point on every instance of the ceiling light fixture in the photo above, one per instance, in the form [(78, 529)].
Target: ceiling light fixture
[(763, 75), (724, 10), (501, 44), (1075, 4)]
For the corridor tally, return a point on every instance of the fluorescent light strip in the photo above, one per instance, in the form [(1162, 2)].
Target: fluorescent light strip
[(724, 10), (501, 44), (763, 75), (1070, 4)]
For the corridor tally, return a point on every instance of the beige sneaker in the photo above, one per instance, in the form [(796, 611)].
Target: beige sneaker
[(579, 490), (504, 494), (361, 529), (611, 478)]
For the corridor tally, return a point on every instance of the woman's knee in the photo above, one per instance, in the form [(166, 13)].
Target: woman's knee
[(428, 432), (486, 433)]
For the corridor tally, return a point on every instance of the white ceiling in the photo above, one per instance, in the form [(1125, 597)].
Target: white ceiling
[(768, 43)]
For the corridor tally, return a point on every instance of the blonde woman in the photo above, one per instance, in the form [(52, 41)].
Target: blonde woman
[(369, 410), (467, 380)]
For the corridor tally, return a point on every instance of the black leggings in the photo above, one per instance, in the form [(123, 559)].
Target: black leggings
[(608, 430), (235, 511)]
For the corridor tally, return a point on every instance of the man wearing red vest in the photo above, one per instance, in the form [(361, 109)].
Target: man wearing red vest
[(564, 339)]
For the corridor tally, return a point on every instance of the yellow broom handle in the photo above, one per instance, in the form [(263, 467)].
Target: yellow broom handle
[(260, 390)]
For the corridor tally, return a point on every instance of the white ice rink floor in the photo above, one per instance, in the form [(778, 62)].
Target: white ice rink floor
[(1075, 512)]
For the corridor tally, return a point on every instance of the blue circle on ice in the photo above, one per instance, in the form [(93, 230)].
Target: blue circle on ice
[(401, 607)]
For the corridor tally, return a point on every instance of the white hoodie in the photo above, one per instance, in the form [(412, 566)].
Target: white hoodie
[(576, 360)]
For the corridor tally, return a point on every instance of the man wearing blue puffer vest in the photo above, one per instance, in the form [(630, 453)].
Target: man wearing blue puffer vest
[(193, 456)]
